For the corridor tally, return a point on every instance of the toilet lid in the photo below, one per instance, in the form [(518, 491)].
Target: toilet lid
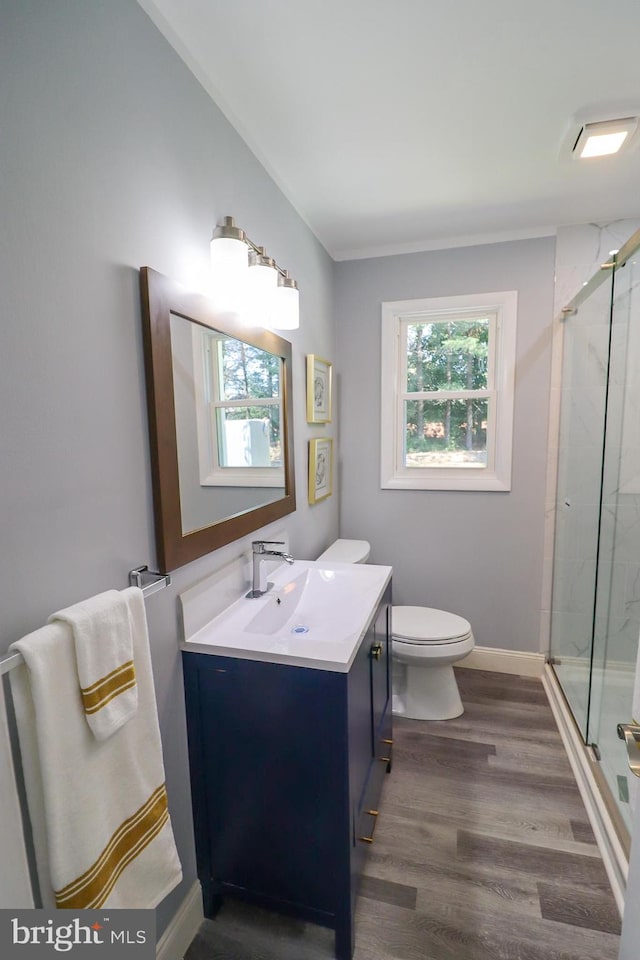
[(428, 624)]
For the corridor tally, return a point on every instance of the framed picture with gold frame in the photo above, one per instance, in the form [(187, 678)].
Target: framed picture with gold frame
[(318, 389), (320, 469)]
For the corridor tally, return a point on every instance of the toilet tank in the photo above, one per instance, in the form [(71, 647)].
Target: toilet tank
[(347, 551)]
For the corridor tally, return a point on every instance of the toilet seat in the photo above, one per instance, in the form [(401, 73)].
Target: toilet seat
[(431, 643), (427, 625)]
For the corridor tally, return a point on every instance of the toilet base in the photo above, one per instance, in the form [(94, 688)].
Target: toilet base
[(429, 694)]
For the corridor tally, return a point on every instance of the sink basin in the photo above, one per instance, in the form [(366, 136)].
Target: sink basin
[(281, 606), (314, 615)]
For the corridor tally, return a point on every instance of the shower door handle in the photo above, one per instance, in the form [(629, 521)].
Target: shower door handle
[(630, 733)]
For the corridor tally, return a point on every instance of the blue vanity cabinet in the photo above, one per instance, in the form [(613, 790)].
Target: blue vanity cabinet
[(286, 763)]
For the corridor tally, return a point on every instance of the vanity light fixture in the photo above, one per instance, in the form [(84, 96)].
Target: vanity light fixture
[(262, 287), (229, 247), (229, 266), (605, 137), (248, 281), (288, 315)]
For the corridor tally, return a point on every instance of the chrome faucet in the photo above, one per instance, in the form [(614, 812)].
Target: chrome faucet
[(260, 554)]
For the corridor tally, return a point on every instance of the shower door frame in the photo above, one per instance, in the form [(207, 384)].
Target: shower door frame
[(615, 262), (581, 583)]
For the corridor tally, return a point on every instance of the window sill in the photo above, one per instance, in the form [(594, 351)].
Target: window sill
[(487, 482)]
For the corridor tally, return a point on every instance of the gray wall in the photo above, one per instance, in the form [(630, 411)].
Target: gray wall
[(113, 157), (474, 553)]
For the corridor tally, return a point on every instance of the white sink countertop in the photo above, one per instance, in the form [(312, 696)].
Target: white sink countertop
[(315, 615)]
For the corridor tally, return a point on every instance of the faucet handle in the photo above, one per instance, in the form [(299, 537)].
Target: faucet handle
[(259, 545)]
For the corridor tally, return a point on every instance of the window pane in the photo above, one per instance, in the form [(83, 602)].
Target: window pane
[(447, 355), (445, 433), (247, 371), (249, 436)]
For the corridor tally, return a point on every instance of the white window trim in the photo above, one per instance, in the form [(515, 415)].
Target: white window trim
[(497, 474)]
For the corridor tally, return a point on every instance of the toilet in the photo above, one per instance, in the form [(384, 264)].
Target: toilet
[(426, 643)]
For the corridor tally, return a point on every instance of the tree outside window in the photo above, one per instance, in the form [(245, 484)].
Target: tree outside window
[(443, 358)]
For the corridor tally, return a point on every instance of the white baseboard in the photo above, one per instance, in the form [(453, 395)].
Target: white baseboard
[(174, 942), (615, 861), (504, 661)]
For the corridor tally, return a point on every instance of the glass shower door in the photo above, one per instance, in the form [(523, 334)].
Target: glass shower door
[(580, 457), (617, 609)]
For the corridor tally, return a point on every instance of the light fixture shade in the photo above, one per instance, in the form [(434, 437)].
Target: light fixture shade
[(605, 137), (249, 284), (286, 311), (229, 267), (262, 284)]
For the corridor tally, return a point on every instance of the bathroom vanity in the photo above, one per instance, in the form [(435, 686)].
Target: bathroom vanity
[(289, 724)]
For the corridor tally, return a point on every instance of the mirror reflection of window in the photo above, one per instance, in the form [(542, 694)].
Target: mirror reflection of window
[(239, 410), (243, 393), (228, 406)]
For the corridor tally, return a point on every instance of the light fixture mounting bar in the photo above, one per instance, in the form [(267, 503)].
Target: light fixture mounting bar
[(228, 230), (259, 250)]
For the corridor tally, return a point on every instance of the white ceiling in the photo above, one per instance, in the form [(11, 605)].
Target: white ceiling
[(397, 125)]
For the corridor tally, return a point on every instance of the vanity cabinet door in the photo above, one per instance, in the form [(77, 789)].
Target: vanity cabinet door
[(371, 755), (380, 664), (361, 743), (369, 700)]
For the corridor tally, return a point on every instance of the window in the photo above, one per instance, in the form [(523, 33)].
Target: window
[(447, 392), (239, 412)]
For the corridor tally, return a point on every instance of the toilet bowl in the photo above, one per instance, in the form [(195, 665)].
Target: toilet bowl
[(426, 644)]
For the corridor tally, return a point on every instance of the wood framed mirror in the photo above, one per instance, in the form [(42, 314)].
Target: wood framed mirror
[(219, 400)]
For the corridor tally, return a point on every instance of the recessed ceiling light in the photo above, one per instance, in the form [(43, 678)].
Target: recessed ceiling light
[(605, 137)]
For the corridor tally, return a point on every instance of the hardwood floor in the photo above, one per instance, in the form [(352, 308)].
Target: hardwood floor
[(482, 851)]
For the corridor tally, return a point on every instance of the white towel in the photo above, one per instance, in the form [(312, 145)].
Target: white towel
[(99, 812), (104, 655)]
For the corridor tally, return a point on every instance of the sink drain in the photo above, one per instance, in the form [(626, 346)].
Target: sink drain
[(300, 629)]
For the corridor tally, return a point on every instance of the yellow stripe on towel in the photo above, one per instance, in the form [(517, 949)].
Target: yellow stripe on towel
[(91, 890), (100, 693)]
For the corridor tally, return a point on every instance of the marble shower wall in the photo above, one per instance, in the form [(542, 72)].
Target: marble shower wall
[(580, 251)]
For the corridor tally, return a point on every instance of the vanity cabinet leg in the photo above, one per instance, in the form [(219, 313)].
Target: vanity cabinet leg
[(211, 900), (345, 937)]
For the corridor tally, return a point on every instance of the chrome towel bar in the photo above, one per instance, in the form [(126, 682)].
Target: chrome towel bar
[(149, 582)]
